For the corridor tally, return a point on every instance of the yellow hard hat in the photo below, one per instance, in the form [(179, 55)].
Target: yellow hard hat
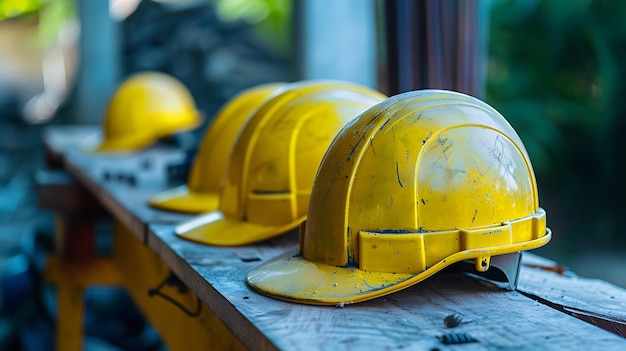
[(201, 194), (274, 161), (414, 184), (146, 107)]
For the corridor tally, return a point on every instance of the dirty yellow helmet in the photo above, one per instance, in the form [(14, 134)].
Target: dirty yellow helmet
[(274, 161), (146, 107), (414, 184), (201, 194)]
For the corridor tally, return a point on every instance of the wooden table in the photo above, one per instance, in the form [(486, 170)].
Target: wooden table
[(551, 309)]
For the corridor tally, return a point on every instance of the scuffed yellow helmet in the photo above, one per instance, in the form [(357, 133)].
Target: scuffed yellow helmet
[(201, 193), (274, 161), (146, 107), (414, 184)]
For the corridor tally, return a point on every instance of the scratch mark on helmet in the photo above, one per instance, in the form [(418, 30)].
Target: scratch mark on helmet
[(398, 174)]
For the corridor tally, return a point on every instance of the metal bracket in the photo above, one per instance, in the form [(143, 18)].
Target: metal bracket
[(503, 270)]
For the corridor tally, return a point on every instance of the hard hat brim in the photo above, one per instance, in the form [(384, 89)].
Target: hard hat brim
[(181, 199), (291, 277), (214, 228), (139, 141), (126, 145)]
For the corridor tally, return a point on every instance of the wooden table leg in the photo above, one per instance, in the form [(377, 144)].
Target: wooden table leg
[(72, 278), (74, 240), (70, 326)]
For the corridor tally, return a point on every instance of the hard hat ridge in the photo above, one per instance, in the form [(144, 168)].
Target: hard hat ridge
[(415, 183)]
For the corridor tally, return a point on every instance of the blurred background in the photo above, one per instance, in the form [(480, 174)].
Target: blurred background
[(554, 68)]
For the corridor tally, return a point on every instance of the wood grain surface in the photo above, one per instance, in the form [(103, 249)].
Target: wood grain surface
[(411, 319), (105, 175), (532, 318), (592, 300)]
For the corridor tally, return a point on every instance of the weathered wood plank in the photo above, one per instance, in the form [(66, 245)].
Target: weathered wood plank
[(58, 140), (594, 301), (180, 255), (61, 138), (410, 319), (100, 175)]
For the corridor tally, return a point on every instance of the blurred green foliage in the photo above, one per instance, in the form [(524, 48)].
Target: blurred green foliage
[(556, 72), (16, 8), (51, 15)]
